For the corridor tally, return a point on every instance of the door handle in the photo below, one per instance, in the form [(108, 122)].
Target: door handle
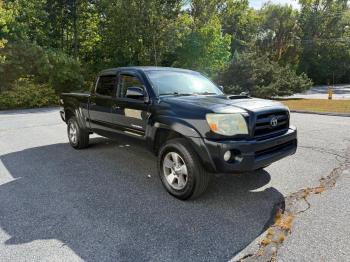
[(114, 107)]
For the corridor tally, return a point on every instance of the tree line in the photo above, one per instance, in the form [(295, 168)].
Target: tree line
[(276, 50)]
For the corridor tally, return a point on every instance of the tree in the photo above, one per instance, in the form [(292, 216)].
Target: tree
[(325, 48), (203, 11), (30, 61), (29, 22), (86, 36), (262, 77), (241, 22), (134, 32), (5, 18), (205, 48), (279, 32)]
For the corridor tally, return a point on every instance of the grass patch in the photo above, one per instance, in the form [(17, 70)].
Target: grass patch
[(318, 105)]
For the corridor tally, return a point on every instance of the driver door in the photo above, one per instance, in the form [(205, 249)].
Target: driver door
[(130, 107)]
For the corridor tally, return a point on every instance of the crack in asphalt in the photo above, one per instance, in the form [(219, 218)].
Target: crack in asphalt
[(288, 209), (324, 150)]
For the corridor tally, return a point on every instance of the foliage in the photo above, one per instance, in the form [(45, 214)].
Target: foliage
[(25, 94), (6, 17), (279, 33), (65, 43), (137, 32), (22, 60), (29, 23), (26, 60), (262, 77), (205, 48), (325, 40), (64, 72), (241, 22)]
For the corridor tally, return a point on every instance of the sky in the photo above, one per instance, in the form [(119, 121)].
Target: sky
[(259, 3)]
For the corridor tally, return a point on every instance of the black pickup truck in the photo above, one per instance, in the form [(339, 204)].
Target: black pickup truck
[(186, 121)]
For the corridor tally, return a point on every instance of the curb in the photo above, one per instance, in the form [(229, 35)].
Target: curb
[(321, 113)]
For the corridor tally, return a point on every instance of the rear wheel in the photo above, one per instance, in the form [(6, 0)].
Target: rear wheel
[(78, 137), (180, 170)]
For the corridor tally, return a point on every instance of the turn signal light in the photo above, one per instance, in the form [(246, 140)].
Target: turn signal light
[(213, 127)]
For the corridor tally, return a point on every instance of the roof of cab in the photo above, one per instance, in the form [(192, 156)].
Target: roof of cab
[(144, 68)]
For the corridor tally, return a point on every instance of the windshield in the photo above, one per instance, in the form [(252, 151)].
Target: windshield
[(181, 83)]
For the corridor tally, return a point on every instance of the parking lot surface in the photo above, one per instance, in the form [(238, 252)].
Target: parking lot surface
[(106, 203)]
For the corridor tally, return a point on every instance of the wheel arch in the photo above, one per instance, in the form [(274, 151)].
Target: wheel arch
[(69, 112), (162, 132)]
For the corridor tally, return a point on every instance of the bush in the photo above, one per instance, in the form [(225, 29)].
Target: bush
[(261, 77), (53, 67), (25, 94), (22, 60), (65, 72)]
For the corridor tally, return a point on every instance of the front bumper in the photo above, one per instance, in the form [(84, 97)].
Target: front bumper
[(250, 154)]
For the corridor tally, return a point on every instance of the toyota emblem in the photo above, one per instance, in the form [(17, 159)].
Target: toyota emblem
[(273, 121)]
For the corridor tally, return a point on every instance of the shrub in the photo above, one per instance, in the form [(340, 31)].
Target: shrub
[(22, 60), (26, 94), (65, 72), (53, 67), (261, 77)]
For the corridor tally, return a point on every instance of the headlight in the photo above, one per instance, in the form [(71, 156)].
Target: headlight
[(227, 124)]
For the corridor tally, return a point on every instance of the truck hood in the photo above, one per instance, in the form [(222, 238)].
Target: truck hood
[(223, 103)]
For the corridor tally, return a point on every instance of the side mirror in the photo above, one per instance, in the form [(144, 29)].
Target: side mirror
[(221, 88), (244, 94), (135, 93)]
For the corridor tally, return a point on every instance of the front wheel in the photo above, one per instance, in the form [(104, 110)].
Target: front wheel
[(180, 170), (78, 137)]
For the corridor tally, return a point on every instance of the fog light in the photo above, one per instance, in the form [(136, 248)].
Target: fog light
[(227, 156)]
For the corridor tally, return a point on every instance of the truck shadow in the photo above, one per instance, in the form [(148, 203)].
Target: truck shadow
[(107, 204)]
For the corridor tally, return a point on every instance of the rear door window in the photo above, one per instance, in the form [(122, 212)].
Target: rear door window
[(106, 85)]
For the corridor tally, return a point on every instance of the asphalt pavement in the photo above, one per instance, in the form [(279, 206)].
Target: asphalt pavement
[(106, 203), (323, 232)]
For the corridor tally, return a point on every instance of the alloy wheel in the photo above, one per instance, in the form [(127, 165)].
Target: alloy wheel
[(175, 171)]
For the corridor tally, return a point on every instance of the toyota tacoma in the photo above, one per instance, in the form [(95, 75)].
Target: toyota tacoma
[(187, 121)]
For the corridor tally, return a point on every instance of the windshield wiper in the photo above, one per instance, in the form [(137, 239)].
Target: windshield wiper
[(175, 94), (187, 94), (204, 93)]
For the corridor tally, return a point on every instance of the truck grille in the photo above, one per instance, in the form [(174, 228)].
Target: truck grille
[(272, 123)]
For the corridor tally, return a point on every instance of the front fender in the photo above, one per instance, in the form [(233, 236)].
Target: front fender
[(176, 124), (186, 130)]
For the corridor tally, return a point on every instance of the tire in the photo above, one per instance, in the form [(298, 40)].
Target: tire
[(189, 186), (78, 137)]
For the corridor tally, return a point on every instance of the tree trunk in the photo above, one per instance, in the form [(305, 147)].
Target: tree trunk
[(75, 28)]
